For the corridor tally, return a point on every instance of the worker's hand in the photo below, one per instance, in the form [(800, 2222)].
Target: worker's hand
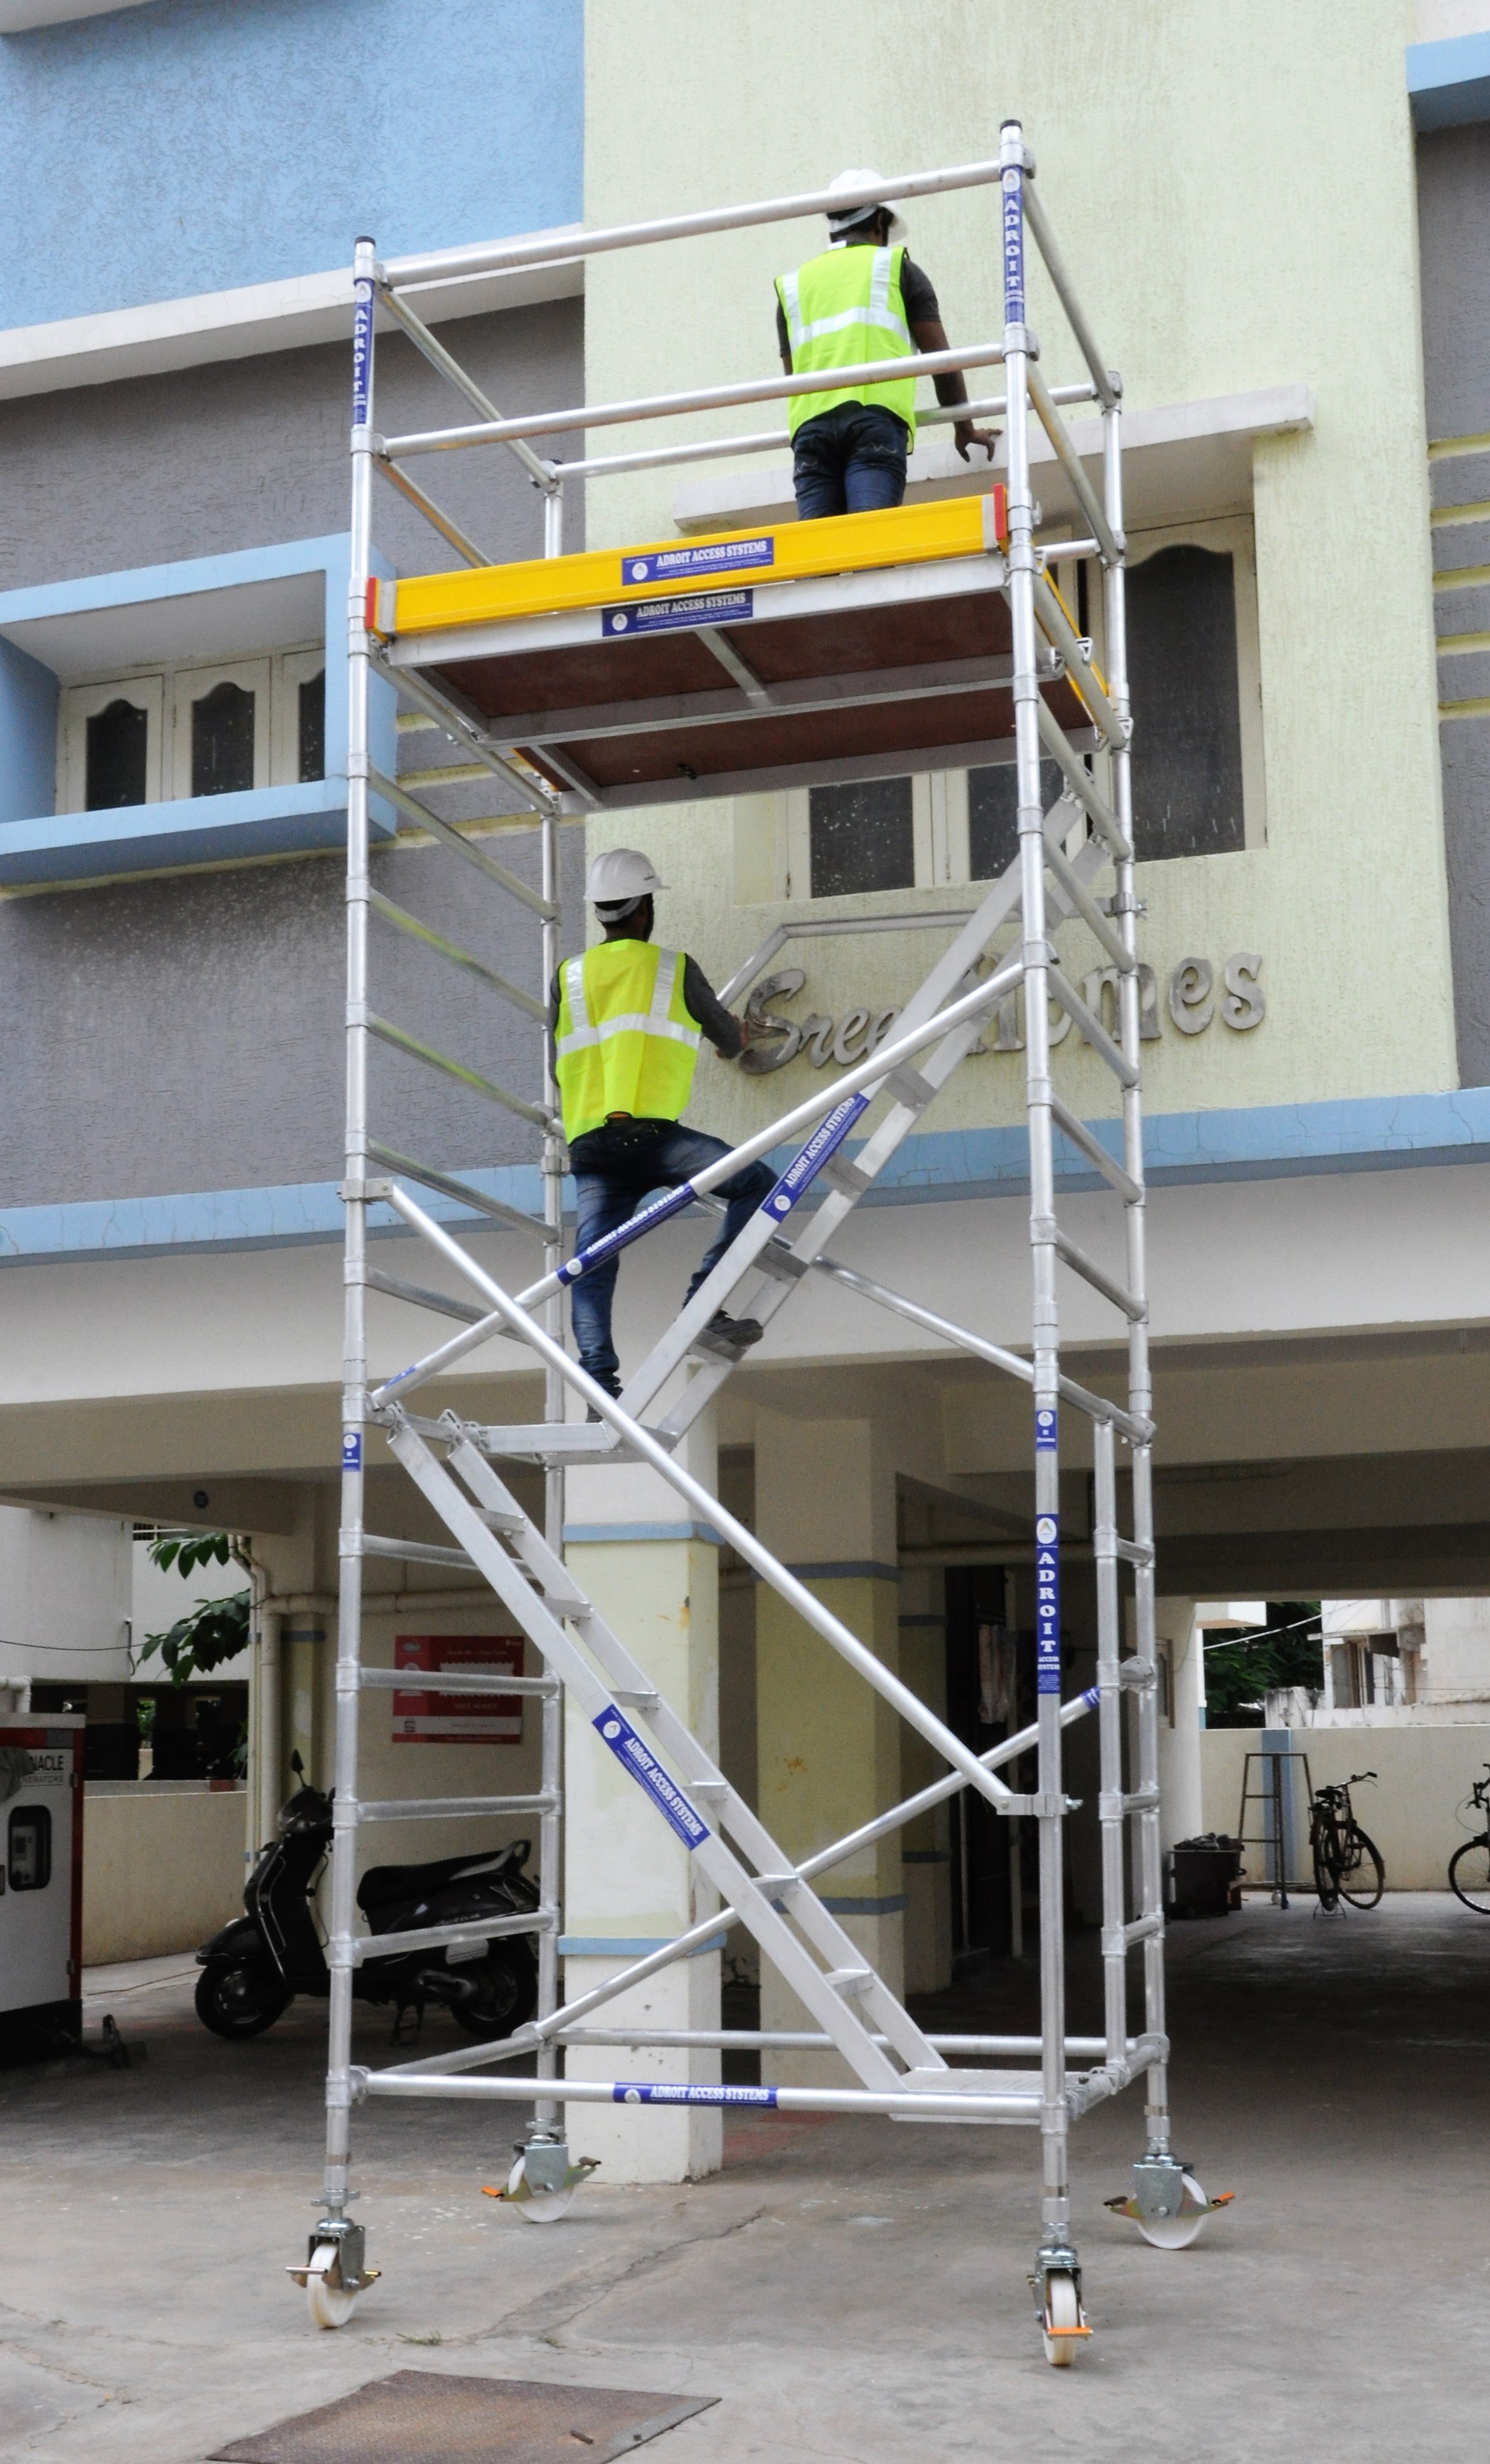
[(964, 435), (756, 1031)]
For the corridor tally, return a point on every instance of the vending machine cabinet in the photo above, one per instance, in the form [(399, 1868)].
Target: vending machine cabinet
[(41, 1834)]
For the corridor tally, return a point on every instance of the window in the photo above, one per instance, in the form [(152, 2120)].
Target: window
[(193, 731), (1197, 749), (28, 1847), (863, 837), (994, 816)]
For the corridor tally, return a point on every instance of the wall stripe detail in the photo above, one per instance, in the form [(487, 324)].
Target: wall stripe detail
[(603, 1531), (846, 1570), (1263, 1142), (594, 1945)]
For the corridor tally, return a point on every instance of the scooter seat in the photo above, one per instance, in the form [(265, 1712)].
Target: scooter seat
[(383, 1884)]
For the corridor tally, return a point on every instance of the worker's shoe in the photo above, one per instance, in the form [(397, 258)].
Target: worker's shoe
[(727, 1337), (611, 1386)]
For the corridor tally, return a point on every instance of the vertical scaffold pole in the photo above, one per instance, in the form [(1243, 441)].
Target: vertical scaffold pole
[(1054, 2207), (354, 1399), (1109, 1683), (1149, 1880), (546, 2115)]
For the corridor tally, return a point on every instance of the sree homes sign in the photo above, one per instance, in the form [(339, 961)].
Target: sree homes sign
[(1194, 996), (424, 1717)]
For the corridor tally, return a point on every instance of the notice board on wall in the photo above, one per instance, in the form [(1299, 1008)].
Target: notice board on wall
[(424, 1717)]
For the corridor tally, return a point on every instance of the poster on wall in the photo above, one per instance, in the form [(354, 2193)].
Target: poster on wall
[(422, 1717)]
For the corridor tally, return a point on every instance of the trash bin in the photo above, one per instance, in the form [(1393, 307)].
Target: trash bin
[(1199, 1873)]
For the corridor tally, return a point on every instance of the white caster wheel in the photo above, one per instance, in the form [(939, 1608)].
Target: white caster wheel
[(1063, 2331), (329, 2303), (537, 2207), (1177, 2232)]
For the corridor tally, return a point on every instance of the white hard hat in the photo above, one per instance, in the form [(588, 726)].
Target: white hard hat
[(840, 224), (619, 880)]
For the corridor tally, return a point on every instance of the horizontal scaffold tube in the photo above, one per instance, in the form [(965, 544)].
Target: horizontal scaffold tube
[(949, 2107), (865, 1074), (564, 247), (670, 406), (776, 440)]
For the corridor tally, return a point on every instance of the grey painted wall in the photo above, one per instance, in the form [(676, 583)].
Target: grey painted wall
[(184, 1033), (1453, 210)]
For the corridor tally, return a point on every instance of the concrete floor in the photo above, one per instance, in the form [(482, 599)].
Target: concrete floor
[(852, 2291)]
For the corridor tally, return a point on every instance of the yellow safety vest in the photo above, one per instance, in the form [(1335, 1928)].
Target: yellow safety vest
[(626, 1042), (844, 308)]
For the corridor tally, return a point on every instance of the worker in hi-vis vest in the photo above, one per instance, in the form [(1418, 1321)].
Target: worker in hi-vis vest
[(861, 301), (627, 1020)]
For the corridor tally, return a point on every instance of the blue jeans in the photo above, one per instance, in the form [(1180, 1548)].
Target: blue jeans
[(615, 1168), (849, 460)]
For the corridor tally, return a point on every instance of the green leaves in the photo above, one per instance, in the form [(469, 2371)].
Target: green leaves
[(214, 1631)]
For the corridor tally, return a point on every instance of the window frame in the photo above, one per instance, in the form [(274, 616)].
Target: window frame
[(1228, 535), (166, 693), (77, 704), (190, 685)]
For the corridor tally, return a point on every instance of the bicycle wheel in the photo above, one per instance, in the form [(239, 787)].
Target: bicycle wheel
[(1469, 1874), (1363, 1876), (1326, 1865)]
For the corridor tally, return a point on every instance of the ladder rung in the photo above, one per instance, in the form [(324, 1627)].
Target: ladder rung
[(497, 1520), (393, 1946), (1091, 1026), (450, 1680), (401, 1041), (572, 1605), (1077, 1259), (420, 930), (1072, 1126), (420, 1552), (1135, 1553), (440, 1809), (776, 1885), (643, 1698), (911, 1087), (419, 1297), (846, 1177), (852, 1981), (1112, 1805), (782, 1263), (449, 1186)]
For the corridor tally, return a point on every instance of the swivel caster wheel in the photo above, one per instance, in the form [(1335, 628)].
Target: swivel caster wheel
[(1063, 2328), (326, 2298), (543, 2182), (1168, 2206)]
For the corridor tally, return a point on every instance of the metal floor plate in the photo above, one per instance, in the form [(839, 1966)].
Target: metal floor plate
[(425, 2417)]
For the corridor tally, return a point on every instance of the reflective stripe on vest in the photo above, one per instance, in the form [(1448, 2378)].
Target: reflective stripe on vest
[(626, 1042), (843, 308)]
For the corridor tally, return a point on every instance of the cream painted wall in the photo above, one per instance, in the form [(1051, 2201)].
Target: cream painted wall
[(162, 1868), (1410, 1811), (1234, 187)]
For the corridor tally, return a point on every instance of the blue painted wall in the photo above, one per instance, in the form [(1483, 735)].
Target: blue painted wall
[(28, 734), (191, 146)]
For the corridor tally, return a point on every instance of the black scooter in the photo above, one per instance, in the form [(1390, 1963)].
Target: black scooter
[(253, 1970)]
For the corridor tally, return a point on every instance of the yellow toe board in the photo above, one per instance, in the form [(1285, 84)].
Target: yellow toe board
[(431, 603)]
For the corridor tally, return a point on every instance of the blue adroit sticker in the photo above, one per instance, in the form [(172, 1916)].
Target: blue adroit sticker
[(683, 2092), (823, 1144), (610, 1243), (671, 615), (362, 353), (1014, 248), (1046, 1431), (351, 1450), (685, 564), (1047, 1604), (634, 1755)]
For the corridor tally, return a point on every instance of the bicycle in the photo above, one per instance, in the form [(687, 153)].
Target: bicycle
[(1469, 1866), (1347, 1864)]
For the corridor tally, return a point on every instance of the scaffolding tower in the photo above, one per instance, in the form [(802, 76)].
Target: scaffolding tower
[(505, 658)]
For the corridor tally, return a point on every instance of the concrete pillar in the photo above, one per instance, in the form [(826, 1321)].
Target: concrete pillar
[(630, 1884), (1180, 1643), (829, 1747), (925, 1844)]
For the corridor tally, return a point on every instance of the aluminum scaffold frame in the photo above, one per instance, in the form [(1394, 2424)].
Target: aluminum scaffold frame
[(1062, 853)]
